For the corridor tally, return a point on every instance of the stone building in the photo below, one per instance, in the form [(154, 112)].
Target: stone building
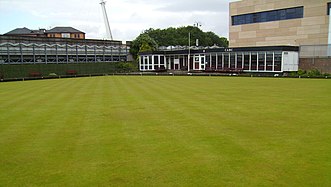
[(279, 22)]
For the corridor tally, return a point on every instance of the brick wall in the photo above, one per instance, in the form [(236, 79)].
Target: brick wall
[(321, 64)]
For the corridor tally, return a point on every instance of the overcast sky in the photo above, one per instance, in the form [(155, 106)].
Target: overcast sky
[(128, 18)]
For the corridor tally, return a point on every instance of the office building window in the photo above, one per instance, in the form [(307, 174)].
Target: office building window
[(329, 6), (274, 15)]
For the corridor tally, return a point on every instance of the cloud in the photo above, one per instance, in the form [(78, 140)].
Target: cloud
[(196, 6), (128, 18)]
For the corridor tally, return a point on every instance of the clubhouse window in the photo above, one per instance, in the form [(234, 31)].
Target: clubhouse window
[(150, 60), (219, 61), (232, 60), (261, 61), (226, 61), (239, 60), (156, 59), (254, 61), (162, 60), (270, 61), (278, 61), (213, 61), (246, 60)]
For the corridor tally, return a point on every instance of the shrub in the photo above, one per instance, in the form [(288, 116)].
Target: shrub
[(301, 72), (314, 73), (124, 67)]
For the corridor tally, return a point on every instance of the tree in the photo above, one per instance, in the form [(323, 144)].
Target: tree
[(213, 39), (142, 43), (151, 38), (179, 36), (145, 47)]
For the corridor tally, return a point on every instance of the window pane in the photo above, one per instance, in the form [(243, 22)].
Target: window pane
[(146, 60), (278, 61), (270, 57), (219, 61), (282, 15), (232, 60), (239, 60), (150, 60), (162, 60), (263, 17), (246, 61), (226, 60), (261, 61), (141, 60), (254, 61), (213, 61), (156, 59)]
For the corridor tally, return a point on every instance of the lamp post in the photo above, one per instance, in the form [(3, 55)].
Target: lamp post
[(189, 51), (196, 24)]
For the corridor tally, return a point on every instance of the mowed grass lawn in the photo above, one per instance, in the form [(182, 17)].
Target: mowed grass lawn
[(166, 131)]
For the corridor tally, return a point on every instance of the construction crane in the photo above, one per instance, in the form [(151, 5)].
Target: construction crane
[(105, 17)]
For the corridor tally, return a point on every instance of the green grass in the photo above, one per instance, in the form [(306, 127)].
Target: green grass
[(166, 131)]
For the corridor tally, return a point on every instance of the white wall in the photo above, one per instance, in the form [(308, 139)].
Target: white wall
[(290, 61)]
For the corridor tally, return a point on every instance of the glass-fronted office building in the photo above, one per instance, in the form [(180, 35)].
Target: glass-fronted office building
[(250, 59)]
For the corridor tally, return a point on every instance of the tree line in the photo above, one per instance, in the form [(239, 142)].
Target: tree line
[(151, 39)]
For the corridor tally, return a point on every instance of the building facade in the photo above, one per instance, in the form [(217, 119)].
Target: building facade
[(279, 22), (223, 60), (33, 50)]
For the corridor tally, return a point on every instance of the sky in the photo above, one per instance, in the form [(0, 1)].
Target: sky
[(127, 18)]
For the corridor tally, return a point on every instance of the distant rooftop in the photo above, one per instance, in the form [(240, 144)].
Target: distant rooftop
[(26, 31), (20, 31), (64, 30)]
